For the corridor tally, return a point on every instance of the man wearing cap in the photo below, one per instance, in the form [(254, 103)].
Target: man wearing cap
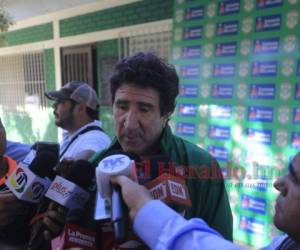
[(76, 109)]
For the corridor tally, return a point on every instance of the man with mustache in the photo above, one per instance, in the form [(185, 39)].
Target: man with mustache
[(172, 231), (76, 110), (144, 89)]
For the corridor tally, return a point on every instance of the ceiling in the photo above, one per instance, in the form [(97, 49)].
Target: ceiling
[(23, 9)]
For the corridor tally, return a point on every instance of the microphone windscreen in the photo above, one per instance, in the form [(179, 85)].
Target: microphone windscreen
[(81, 173), (43, 164)]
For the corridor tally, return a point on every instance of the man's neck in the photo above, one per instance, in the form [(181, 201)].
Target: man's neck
[(78, 125)]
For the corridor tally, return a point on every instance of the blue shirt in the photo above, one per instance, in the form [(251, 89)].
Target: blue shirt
[(160, 228), (17, 150)]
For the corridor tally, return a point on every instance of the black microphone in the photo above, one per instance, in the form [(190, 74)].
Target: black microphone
[(67, 191)]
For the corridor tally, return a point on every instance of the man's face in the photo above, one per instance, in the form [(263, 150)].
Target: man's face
[(63, 113), (287, 208), (138, 123)]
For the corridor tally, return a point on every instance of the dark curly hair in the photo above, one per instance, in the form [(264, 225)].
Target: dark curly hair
[(148, 70)]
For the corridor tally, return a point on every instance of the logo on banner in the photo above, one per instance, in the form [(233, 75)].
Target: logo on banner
[(19, 180), (229, 7), (191, 52), (227, 28), (188, 90), (266, 23), (253, 204), (211, 10), (244, 68), (260, 136), (220, 111), (208, 50), (264, 68), (219, 132), (295, 140), (251, 225), (202, 128), (262, 4), (289, 43), (249, 5), (265, 46), (220, 153), (287, 66), (224, 70), (297, 91), (283, 114), (194, 13), (281, 138), (206, 70), (189, 71), (245, 47), (222, 90), (285, 91), (185, 129), (179, 16), (262, 91), (260, 114), (191, 33), (209, 30), (247, 25), (258, 157), (205, 90), (296, 116), (292, 19), (225, 49), (187, 109)]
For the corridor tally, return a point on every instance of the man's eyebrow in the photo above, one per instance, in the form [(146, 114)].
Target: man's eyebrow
[(293, 172)]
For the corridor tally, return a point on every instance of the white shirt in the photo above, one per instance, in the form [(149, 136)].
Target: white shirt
[(94, 140)]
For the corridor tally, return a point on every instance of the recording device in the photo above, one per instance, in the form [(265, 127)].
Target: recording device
[(115, 164), (32, 177), (67, 191), (164, 185)]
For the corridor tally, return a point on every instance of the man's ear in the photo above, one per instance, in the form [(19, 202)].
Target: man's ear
[(166, 118)]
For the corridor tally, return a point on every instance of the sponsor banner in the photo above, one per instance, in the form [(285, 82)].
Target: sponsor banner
[(194, 13), (225, 49), (260, 114), (264, 68), (191, 33), (262, 4), (262, 91), (189, 71), (261, 136), (227, 28), (220, 153), (251, 225), (188, 90), (296, 116), (229, 7), (266, 23), (253, 204), (295, 140), (187, 109), (219, 132), (185, 129), (222, 90), (261, 158), (297, 92), (224, 70), (221, 111), (191, 52), (266, 46)]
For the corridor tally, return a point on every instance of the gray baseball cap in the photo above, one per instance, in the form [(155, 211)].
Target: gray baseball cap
[(77, 91)]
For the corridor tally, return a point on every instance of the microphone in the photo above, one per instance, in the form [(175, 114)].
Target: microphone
[(66, 191), (115, 164), (167, 187), (31, 178)]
